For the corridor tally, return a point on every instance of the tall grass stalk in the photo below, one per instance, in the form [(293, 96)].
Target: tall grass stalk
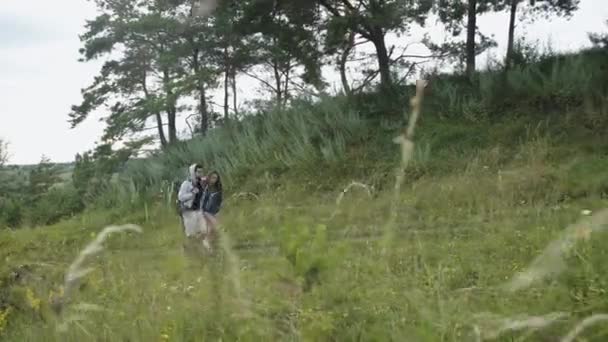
[(549, 262), (494, 326), (552, 260), (367, 188), (77, 270), (406, 140), (584, 324)]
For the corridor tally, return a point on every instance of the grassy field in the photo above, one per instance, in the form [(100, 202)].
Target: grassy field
[(299, 262), (497, 232)]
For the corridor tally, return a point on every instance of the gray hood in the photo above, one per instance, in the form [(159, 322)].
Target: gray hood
[(192, 173)]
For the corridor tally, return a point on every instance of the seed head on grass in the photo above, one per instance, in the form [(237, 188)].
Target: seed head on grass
[(406, 140), (551, 261), (346, 190), (353, 185), (77, 271), (492, 326), (578, 329)]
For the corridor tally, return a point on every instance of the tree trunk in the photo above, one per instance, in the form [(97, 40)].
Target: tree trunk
[(171, 117), (509, 57), (157, 115), (226, 83), (234, 92), (383, 59), (202, 105), (226, 93), (471, 29), (161, 132), (342, 62), (277, 80), (170, 107), (345, 85), (286, 86)]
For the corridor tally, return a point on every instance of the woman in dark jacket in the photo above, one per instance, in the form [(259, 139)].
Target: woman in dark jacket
[(212, 196), (212, 202)]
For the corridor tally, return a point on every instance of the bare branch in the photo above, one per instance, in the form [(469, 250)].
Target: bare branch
[(155, 127), (422, 56), (188, 123), (367, 81), (410, 71), (259, 79), (404, 48), (303, 88), (361, 42), (403, 55)]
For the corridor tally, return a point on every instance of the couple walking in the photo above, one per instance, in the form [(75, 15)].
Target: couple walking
[(200, 200)]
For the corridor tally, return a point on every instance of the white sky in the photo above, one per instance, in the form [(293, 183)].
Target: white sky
[(40, 77)]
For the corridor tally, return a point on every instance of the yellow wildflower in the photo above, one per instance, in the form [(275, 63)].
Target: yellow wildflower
[(55, 294), (4, 318), (32, 300)]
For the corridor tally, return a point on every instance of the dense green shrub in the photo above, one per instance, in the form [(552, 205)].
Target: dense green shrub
[(11, 213), (545, 83), (277, 139), (57, 203)]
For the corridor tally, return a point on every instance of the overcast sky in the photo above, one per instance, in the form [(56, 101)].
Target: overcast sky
[(40, 77)]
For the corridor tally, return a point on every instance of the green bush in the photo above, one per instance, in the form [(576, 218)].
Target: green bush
[(11, 214), (306, 134), (54, 205), (543, 82)]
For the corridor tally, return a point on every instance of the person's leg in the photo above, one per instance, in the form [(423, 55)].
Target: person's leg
[(189, 222), (202, 230), (212, 226), (195, 231), (184, 216)]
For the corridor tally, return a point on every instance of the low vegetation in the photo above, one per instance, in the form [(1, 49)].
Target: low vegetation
[(502, 167)]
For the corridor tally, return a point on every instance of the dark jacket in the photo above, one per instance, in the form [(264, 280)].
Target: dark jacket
[(212, 201)]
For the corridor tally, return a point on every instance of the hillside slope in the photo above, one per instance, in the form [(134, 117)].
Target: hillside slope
[(301, 259), (307, 268)]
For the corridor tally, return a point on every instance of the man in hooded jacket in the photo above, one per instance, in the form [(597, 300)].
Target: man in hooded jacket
[(190, 202)]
